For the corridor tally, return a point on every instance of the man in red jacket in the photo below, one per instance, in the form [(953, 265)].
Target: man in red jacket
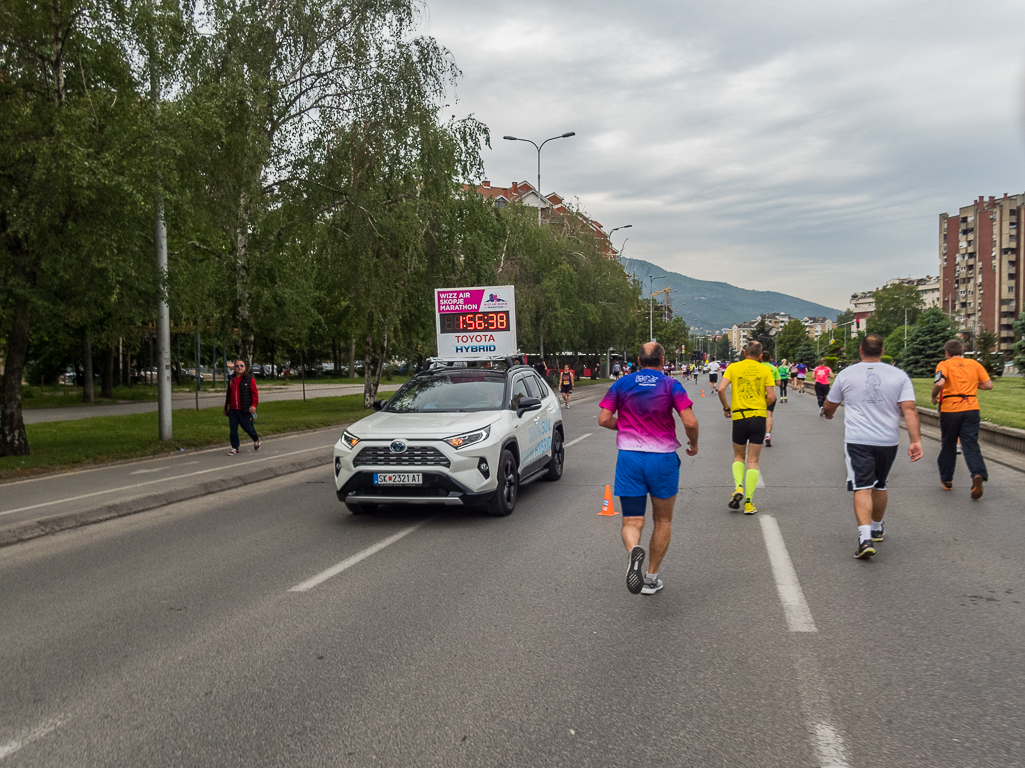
[(240, 403)]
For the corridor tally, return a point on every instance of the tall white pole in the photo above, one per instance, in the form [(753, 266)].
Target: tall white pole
[(163, 314)]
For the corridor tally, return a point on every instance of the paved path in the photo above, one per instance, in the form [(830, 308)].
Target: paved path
[(270, 627), (188, 401)]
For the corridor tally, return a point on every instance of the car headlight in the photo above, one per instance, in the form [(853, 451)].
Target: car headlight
[(349, 440), (469, 438)]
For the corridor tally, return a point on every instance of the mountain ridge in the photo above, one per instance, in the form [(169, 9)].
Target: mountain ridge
[(707, 305)]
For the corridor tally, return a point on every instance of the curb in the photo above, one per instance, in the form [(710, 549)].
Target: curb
[(35, 529)]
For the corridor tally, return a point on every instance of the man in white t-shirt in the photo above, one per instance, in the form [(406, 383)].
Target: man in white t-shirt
[(713, 373), (874, 395)]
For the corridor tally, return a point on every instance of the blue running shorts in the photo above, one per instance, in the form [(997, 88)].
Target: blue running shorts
[(639, 473)]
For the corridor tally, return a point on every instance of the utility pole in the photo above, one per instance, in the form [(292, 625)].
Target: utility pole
[(165, 428)]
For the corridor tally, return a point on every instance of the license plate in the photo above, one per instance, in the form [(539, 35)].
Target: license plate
[(399, 478)]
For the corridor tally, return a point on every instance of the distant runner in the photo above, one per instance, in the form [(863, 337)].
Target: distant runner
[(823, 375), (784, 379), (640, 408), (713, 373), (874, 394), (956, 383), (777, 377), (566, 380), (802, 373), (753, 389)]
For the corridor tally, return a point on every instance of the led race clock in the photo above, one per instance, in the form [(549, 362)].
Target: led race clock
[(461, 322), (474, 323)]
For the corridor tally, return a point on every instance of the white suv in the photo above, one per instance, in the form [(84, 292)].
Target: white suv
[(455, 436)]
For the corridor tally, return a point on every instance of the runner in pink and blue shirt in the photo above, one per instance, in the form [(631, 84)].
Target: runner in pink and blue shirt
[(641, 408)]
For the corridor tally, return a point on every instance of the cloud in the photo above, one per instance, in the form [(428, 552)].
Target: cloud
[(793, 146)]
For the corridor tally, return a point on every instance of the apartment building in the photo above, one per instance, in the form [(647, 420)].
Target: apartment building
[(738, 334), (817, 327), (980, 250), (863, 303)]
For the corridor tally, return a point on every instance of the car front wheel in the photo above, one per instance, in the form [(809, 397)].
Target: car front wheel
[(508, 487), (558, 462)]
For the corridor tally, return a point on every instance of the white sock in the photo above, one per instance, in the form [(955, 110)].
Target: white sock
[(768, 435), (864, 532), (877, 525), (651, 576)]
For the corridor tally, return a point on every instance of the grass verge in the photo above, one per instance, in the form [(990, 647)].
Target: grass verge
[(1003, 405), (60, 445)]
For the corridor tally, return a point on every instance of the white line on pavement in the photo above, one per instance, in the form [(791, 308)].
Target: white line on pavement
[(577, 440), (829, 747), (152, 482), (36, 733), (795, 608), (360, 556), (761, 480), (825, 738)]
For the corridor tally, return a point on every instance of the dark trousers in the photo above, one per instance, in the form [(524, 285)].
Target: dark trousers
[(242, 419), (963, 425), (783, 387), (821, 390)]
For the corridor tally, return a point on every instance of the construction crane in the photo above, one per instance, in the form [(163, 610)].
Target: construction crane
[(666, 308)]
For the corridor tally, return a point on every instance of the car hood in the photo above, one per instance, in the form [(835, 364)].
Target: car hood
[(391, 426)]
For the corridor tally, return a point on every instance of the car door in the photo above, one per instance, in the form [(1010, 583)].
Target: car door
[(546, 418)]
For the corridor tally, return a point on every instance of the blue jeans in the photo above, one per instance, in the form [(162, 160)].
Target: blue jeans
[(243, 419)]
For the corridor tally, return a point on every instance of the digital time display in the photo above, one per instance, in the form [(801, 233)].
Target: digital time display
[(463, 322)]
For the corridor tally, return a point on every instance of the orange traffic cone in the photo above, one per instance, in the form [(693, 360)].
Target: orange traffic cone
[(608, 509), (702, 393)]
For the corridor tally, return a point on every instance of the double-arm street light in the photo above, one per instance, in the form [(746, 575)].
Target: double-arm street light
[(538, 148), (625, 226)]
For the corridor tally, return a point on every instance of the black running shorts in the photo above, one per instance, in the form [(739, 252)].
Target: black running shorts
[(713, 378), (868, 466), (772, 406), (749, 430)]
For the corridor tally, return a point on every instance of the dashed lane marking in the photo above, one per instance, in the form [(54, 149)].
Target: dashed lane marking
[(33, 735), (359, 557), (795, 607), (577, 440)]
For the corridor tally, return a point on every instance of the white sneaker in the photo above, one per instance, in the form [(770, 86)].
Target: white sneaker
[(233, 452), (651, 587)]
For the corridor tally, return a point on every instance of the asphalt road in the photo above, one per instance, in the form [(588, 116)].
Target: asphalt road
[(268, 627)]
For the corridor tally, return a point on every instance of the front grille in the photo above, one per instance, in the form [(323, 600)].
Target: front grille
[(413, 456)]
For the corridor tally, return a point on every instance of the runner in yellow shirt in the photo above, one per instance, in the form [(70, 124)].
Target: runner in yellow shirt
[(753, 390)]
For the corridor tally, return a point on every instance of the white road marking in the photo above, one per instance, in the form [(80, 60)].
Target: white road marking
[(360, 556), (152, 482), (161, 469), (761, 480), (825, 738), (577, 440), (829, 747), (795, 608), (35, 734)]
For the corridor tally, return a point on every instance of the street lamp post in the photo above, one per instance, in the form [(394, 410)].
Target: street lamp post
[(651, 305), (538, 148), (625, 226)]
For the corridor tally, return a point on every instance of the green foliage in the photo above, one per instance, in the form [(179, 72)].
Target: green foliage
[(1019, 345), (925, 343), (887, 359), (806, 353), (833, 363), (894, 343), (891, 303), (790, 339), (762, 332), (984, 343)]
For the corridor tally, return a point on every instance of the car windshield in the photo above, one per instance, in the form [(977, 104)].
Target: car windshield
[(455, 391)]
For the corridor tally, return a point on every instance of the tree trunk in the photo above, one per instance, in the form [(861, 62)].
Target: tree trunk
[(13, 440), (368, 350), (88, 395), (336, 358), (107, 381), (242, 283)]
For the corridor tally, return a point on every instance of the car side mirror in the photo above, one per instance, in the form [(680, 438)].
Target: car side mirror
[(379, 404), (528, 404)]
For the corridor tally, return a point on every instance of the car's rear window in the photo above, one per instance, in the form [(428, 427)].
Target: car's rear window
[(457, 391)]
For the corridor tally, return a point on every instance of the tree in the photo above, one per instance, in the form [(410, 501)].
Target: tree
[(1019, 345), (891, 304), (790, 338), (985, 340), (894, 344), (805, 353), (925, 343), (762, 333)]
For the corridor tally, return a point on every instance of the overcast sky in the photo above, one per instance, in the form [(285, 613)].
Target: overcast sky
[(795, 145)]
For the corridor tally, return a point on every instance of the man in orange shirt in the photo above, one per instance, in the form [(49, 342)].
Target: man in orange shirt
[(956, 383)]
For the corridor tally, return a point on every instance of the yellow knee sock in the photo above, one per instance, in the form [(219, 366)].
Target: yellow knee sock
[(738, 474), (750, 483)]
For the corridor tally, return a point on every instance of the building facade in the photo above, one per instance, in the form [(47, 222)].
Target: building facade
[(980, 252), (863, 303)]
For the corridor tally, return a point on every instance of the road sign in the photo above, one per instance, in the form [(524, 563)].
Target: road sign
[(472, 323)]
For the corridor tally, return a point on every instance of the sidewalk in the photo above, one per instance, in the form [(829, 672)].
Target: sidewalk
[(206, 400), (39, 506)]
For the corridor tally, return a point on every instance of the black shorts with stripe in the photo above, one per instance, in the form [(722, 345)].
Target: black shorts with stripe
[(868, 466)]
